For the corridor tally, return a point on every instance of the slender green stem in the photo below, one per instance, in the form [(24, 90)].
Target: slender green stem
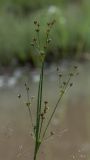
[(41, 128), (39, 102), (38, 40), (35, 152), (30, 113), (41, 89)]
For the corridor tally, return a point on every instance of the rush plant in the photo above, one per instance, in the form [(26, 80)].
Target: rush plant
[(40, 126)]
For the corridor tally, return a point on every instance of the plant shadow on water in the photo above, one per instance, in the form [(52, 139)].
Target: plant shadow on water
[(70, 123)]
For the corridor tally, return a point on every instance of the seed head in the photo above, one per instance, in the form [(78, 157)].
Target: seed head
[(51, 133), (75, 67), (45, 102), (45, 111), (42, 116), (49, 40), (48, 23), (27, 88), (53, 22), (60, 75), (71, 74), (37, 30), (34, 39), (38, 25), (57, 69), (64, 83), (32, 44), (25, 84), (42, 55), (28, 104), (19, 95), (45, 47), (35, 22), (47, 31), (71, 84)]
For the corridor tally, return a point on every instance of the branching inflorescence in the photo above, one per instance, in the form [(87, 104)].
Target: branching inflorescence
[(39, 127)]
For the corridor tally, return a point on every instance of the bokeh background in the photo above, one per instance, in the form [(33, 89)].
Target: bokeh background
[(18, 64)]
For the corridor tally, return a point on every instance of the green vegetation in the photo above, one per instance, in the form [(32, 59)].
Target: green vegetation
[(42, 120), (71, 37)]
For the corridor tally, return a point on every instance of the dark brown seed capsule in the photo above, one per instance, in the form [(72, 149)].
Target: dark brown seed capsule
[(52, 23), (71, 84), (57, 69), (64, 83), (49, 40), (38, 24), (71, 74), (28, 104), (32, 44), (48, 24), (60, 75), (48, 30), (19, 95), (35, 22), (27, 88), (45, 47), (37, 30), (46, 102), (75, 67), (34, 39), (52, 133), (25, 84)]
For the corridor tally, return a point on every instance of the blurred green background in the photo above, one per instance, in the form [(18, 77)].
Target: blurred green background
[(70, 36), (18, 64)]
